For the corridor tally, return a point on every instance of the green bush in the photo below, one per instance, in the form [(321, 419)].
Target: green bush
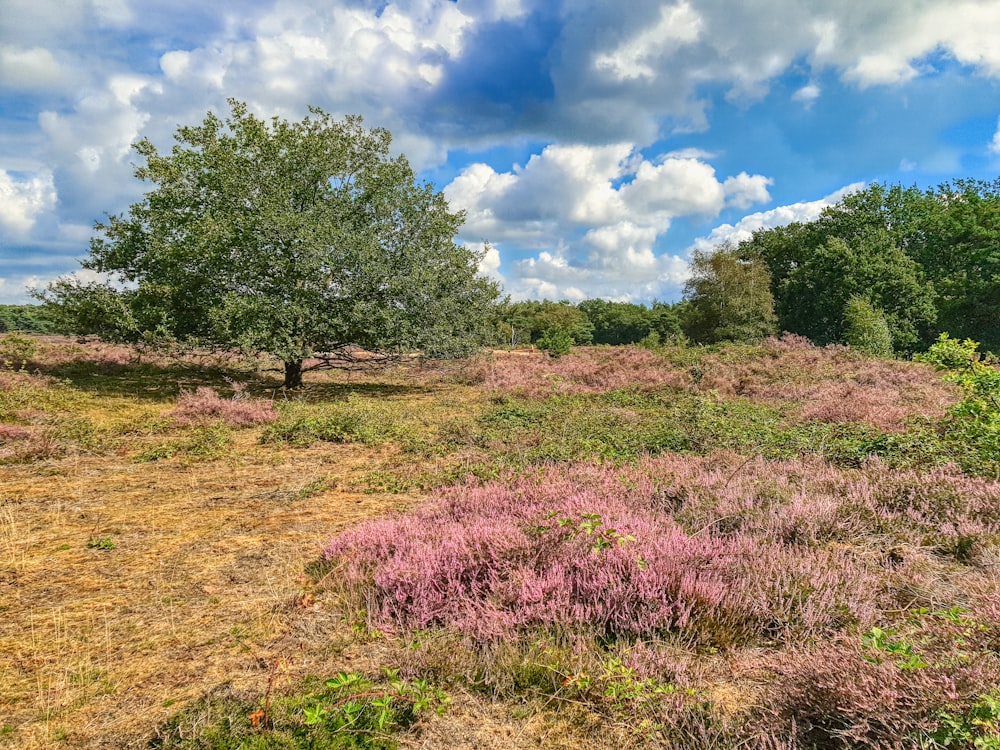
[(355, 420), (973, 424), (16, 351), (347, 712), (866, 328), (555, 341)]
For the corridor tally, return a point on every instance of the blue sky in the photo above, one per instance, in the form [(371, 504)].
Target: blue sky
[(593, 144)]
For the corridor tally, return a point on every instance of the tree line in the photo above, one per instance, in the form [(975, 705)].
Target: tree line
[(887, 266)]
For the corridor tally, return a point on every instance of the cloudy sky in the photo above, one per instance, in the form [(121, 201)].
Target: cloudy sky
[(593, 143)]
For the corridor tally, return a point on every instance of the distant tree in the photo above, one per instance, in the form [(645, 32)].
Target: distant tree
[(305, 240), (873, 267), (958, 247), (531, 320), (866, 329), (617, 323), (665, 322), (27, 318), (728, 298), (868, 221)]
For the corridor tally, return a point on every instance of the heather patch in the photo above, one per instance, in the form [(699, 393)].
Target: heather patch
[(574, 548), (829, 384), (804, 382), (533, 374), (857, 607), (204, 405)]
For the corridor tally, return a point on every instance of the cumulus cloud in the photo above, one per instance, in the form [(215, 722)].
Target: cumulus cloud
[(637, 57), (994, 146), (776, 217), (22, 200), (807, 94), (591, 217), (570, 186), (33, 69)]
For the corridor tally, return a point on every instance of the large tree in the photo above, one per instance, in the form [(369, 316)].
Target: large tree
[(305, 240), (871, 267), (728, 298)]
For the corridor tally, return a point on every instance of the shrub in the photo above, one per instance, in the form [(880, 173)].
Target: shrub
[(354, 420), (16, 351), (205, 405), (556, 342), (570, 548), (975, 421), (866, 328), (836, 698)]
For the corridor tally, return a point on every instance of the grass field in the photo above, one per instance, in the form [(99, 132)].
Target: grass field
[(773, 546)]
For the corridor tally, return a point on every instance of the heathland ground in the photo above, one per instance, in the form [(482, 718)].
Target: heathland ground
[(740, 546)]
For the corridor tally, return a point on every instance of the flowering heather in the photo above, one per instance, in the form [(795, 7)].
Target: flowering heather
[(10, 433), (841, 697), (585, 370), (205, 405), (576, 547), (20, 444), (57, 353), (830, 384), (827, 384)]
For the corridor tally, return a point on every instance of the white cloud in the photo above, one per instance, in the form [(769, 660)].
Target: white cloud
[(744, 190), (679, 25), (776, 217), (591, 217), (675, 187), (567, 186), (807, 94), (994, 146), (887, 44), (23, 200), (32, 68)]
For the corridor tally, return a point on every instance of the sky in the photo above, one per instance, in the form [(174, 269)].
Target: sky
[(593, 144)]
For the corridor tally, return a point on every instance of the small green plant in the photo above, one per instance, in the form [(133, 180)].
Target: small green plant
[(623, 686), (353, 704), (882, 643), (590, 525), (158, 453), (979, 727), (314, 487), (101, 542), (16, 351)]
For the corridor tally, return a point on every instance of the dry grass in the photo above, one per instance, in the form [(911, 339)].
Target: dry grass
[(130, 587), (97, 646)]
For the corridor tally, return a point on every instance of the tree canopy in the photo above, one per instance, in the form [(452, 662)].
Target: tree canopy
[(305, 240), (928, 260), (728, 298), (31, 318)]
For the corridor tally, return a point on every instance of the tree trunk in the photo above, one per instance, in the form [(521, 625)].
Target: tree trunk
[(293, 374)]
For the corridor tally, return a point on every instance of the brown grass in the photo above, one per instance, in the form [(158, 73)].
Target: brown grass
[(99, 646), (130, 587)]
